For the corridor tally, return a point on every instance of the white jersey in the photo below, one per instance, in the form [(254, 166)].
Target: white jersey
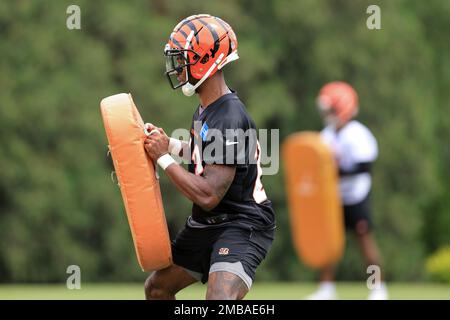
[(352, 144)]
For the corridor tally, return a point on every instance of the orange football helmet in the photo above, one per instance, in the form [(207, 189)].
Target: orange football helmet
[(337, 102), (198, 46)]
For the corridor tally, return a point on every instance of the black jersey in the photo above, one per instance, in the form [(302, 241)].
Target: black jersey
[(224, 133)]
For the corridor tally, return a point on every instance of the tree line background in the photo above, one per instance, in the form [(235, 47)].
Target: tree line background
[(58, 205)]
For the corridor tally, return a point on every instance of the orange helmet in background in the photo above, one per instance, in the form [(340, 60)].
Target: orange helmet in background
[(338, 103), (198, 46)]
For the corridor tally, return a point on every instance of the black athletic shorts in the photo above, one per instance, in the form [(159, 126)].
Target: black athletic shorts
[(226, 248), (358, 216)]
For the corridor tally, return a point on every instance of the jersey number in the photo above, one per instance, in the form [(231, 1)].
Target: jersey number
[(197, 159), (259, 194)]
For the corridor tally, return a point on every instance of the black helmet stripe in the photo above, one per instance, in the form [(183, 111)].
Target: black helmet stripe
[(185, 36), (227, 29), (222, 23), (193, 28), (213, 32), (214, 35), (183, 33), (229, 46), (175, 41)]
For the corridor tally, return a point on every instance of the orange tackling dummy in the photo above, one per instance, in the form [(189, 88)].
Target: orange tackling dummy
[(138, 182), (313, 199)]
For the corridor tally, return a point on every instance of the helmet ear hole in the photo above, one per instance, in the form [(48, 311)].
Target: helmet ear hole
[(205, 59)]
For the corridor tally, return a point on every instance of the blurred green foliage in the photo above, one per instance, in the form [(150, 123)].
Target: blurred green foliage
[(438, 265), (58, 205)]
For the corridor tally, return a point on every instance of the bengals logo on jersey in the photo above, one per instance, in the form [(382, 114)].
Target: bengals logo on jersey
[(224, 251)]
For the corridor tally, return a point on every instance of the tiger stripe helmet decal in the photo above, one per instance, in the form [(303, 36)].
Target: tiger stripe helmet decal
[(201, 44)]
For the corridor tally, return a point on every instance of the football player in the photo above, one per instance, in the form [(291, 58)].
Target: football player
[(231, 227), (355, 149)]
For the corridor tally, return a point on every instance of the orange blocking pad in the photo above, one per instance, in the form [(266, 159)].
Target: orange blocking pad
[(313, 198), (138, 182)]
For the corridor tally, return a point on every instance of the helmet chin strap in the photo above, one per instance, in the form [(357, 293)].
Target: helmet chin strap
[(189, 89)]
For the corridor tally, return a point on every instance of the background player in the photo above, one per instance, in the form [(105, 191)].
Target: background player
[(355, 149)]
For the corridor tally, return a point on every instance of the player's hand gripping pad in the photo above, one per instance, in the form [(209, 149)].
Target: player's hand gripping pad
[(313, 199), (137, 180)]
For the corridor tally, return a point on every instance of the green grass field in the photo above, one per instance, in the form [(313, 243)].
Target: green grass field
[(277, 290)]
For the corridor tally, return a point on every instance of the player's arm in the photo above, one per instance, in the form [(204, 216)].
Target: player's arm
[(361, 167), (206, 190), (364, 151)]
